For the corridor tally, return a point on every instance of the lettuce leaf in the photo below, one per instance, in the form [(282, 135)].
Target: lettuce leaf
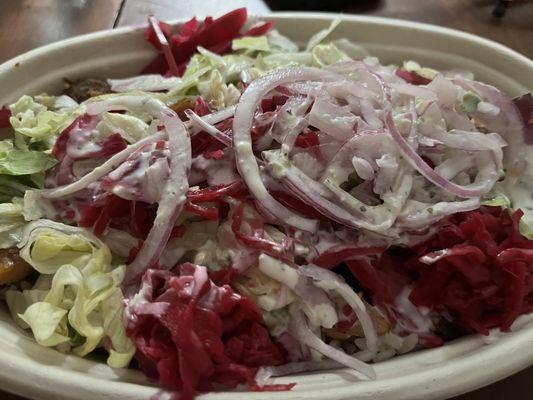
[(217, 93), (499, 200), (319, 37), (351, 49), (78, 302), (131, 128), (13, 186), (47, 323), (41, 118), (190, 79), (12, 223), (251, 43), (25, 162), (280, 43), (327, 54)]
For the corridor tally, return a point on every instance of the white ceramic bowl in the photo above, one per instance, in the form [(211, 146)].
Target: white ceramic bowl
[(460, 366)]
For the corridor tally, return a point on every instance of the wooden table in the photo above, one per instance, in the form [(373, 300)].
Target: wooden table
[(26, 24)]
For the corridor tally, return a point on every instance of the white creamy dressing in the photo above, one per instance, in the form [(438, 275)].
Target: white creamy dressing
[(80, 143), (133, 304), (140, 177)]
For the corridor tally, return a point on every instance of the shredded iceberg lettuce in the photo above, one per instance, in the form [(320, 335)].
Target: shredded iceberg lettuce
[(82, 303), (34, 121), (12, 223), (131, 128), (327, 54), (217, 78), (251, 43), (24, 162), (320, 36)]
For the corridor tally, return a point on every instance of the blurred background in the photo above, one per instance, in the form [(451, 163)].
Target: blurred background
[(26, 24)]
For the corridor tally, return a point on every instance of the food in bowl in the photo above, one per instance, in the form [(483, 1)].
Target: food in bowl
[(246, 209)]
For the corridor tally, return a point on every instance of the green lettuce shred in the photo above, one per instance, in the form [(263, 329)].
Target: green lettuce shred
[(251, 43), (78, 302), (34, 121)]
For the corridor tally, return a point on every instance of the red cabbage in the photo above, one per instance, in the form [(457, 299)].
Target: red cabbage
[(480, 273), (5, 114), (207, 335)]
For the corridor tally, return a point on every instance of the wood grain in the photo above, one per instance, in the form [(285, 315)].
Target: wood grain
[(26, 24)]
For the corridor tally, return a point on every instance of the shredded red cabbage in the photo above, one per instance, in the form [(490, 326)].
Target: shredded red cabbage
[(213, 34), (476, 270), (208, 334), (5, 114)]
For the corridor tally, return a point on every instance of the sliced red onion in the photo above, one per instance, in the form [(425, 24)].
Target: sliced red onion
[(242, 141), (207, 127), (391, 181), (367, 72), (473, 141), (474, 190), (328, 280), (148, 83), (315, 194), (508, 123), (103, 169), (452, 166), (376, 218), (454, 120), (299, 329), (165, 47), (341, 88), (370, 115), (445, 90), (289, 121), (212, 119), (175, 188), (363, 168), (318, 307), (418, 92), (417, 215), (416, 319), (332, 119), (173, 197)]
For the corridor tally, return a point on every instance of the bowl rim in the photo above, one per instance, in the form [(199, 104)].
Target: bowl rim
[(396, 22), (438, 381)]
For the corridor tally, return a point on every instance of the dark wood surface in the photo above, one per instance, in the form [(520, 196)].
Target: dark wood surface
[(26, 24)]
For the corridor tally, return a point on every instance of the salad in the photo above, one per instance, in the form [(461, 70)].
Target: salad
[(246, 208)]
